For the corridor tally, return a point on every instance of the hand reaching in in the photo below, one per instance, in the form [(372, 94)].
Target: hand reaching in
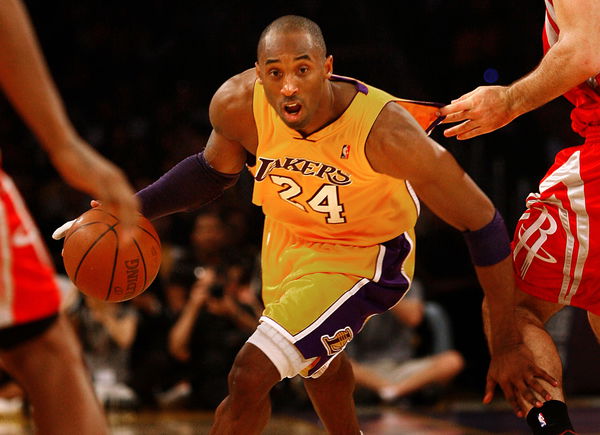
[(517, 374)]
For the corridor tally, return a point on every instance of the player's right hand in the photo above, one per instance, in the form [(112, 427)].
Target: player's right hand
[(480, 111)]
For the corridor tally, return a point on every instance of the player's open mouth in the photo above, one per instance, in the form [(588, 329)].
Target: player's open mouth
[(292, 109)]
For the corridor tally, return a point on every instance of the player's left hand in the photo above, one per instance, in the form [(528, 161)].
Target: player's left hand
[(61, 231), (481, 111), (517, 374)]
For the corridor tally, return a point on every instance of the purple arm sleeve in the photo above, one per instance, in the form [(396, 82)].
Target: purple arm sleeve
[(489, 245), (190, 184)]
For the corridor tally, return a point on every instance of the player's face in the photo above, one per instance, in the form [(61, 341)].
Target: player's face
[(295, 73)]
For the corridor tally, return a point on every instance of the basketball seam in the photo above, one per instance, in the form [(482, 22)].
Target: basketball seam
[(92, 245), (143, 262), (82, 226), (149, 233), (114, 267), (90, 223)]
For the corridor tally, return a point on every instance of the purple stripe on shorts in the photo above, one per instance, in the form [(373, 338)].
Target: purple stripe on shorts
[(371, 298)]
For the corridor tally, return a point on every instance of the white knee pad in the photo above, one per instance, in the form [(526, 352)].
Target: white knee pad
[(283, 354)]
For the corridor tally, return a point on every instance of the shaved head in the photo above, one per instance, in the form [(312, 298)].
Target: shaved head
[(293, 24)]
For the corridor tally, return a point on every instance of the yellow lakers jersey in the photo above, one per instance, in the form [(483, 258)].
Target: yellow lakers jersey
[(322, 187)]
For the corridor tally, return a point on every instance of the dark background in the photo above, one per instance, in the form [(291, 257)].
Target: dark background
[(137, 79)]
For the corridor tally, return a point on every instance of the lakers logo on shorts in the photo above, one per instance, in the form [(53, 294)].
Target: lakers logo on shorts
[(339, 340)]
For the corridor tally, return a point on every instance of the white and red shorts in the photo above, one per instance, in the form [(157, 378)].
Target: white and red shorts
[(556, 246), (28, 288)]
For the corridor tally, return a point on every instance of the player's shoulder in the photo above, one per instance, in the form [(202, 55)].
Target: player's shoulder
[(396, 137), (393, 118), (231, 107), (236, 92)]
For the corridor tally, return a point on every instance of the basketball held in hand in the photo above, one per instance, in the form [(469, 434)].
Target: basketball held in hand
[(102, 266)]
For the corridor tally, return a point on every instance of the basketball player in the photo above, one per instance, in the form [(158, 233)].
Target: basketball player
[(37, 345), (555, 254), (336, 165)]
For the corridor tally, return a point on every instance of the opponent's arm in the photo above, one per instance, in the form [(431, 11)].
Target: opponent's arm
[(25, 80), (399, 148), (203, 177), (568, 63)]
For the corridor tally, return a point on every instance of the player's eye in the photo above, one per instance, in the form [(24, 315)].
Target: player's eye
[(303, 69), (275, 73)]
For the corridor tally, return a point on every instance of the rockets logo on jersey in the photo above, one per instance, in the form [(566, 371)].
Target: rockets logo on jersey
[(544, 226), (305, 167)]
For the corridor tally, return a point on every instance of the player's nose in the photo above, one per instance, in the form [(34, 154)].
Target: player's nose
[(289, 87)]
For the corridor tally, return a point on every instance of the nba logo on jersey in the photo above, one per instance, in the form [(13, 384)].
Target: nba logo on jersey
[(345, 152), (542, 420)]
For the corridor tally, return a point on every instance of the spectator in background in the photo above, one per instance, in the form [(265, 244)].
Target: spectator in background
[(218, 318), (214, 279), (152, 369), (384, 355), (209, 239), (207, 247), (107, 332)]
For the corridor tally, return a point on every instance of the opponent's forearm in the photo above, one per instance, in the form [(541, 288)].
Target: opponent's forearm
[(566, 65), (25, 78), (188, 185)]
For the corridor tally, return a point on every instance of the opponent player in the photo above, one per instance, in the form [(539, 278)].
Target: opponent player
[(335, 163), (37, 345), (554, 250)]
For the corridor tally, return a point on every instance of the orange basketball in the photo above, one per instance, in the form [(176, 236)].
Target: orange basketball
[(103, 267)]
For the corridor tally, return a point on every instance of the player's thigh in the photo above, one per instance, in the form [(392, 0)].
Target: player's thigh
[(54, 348)]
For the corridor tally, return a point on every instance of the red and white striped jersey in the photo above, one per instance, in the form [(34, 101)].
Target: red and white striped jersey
[(586, 96)]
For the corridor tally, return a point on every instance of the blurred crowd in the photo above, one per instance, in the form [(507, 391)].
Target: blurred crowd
[(137, 80)]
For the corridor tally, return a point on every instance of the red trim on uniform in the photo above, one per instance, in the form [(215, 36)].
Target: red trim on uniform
[(35, 291)]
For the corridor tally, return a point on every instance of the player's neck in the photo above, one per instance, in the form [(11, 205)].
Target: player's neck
[(334, 103)]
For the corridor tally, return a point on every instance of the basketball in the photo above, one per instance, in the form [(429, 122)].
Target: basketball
[(105, 268)]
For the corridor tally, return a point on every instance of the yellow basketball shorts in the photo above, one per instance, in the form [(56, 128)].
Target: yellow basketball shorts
[(319, 295)]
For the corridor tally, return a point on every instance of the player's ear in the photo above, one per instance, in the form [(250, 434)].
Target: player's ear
[(257, 70), (329, 66)]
